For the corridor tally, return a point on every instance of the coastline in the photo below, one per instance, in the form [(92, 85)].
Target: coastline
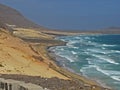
[(96, 84), (35, 56), (25, 54)]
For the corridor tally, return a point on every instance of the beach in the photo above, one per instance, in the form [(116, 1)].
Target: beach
[(56, 56), (95, 57), (27, 56)]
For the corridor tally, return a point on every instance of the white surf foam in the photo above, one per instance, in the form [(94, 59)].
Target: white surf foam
[(71, 42), (69, 45), (69, 58), (98, 51), (108, 72), (62, 39), (116, 78), (78, 37), (103, 51), (73, 52), (115, 51), (88, 53), (112, 74), (89, 61), (105, 58), (115, 75), (76, 47), (102, 71), (107, 45), (87, 38), (103, 48)]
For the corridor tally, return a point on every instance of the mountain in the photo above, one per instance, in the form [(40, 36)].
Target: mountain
[(115, 28), (11, 16)]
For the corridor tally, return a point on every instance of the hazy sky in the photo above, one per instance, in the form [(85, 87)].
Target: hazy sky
[(70, 14)]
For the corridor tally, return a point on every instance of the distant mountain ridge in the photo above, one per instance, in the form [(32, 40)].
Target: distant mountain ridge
[(11, 16), (115, 28)]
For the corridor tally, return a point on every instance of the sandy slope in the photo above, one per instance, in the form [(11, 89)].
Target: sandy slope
[(31, 58), (16, 57)]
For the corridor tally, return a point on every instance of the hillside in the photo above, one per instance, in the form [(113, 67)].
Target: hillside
[(11, 16), (18, 57), (24, 55), (29, 61)]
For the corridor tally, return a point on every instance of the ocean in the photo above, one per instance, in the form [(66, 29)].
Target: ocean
[(96, 57)]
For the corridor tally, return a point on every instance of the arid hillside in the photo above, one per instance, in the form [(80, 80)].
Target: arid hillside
[(28, 61), (11, 16), (24, 55), (18, 57)]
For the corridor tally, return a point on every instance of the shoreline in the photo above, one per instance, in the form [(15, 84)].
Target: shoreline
[(55, 58), (35, 56)]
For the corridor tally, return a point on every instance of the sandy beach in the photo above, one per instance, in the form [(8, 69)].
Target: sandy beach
[(24, 54)]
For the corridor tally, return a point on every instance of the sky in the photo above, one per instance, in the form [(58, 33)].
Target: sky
[(70, 14)]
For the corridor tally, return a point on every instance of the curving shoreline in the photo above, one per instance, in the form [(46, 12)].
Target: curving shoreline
[(40, 65), (25, 55), (53, 63), (83, 78), (73, 74)]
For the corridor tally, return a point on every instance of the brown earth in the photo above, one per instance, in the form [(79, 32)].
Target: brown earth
[(23, 56), (17, 57)]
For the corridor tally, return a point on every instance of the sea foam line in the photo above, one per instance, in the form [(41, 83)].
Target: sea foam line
[(112, 74), (107, 45), (105, 59), (116, 78)]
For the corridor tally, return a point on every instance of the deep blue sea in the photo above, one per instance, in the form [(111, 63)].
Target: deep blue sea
[(94, 56)]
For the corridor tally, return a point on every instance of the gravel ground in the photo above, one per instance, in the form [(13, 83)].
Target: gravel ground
[(50, 83)]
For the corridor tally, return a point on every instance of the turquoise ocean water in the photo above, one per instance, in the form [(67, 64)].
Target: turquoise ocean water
[(94, 56)]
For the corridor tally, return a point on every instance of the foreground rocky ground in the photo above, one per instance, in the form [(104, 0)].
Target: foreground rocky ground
[(52, 83)]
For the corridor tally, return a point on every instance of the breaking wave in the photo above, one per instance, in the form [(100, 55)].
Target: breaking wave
[(96, 53)]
